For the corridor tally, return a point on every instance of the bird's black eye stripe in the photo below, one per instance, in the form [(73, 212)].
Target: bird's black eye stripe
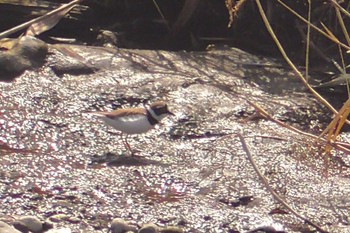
[(161, 110)]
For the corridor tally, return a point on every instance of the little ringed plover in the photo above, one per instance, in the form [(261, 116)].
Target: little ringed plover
[(134, 120)]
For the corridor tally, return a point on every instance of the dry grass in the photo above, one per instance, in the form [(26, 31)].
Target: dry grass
[(333, 29)]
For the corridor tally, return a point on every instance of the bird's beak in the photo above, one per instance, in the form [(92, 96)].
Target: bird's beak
[(170, 113)]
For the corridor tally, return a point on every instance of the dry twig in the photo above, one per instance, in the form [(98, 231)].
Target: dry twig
[(271, 190)]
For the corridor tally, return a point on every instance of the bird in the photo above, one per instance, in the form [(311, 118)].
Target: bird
[(134, 120)]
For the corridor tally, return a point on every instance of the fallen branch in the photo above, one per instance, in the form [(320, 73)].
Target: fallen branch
[(36, 20), (268, 187)]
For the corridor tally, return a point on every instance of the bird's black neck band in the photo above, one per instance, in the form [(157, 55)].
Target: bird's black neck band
[(151, 119)]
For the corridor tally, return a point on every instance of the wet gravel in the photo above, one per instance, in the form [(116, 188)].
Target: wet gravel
[(65, 166)]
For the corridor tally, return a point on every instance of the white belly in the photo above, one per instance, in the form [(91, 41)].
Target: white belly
[(130, 124)]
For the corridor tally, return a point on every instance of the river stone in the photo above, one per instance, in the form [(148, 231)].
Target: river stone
[(149, 228), (5, 228), (120, 226), (27, 52), (59, 217), (28, 223)]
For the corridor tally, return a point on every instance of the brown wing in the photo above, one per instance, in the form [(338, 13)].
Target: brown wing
[(122, 112)]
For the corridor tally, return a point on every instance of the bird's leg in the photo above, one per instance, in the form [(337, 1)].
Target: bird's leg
[(126, 144)]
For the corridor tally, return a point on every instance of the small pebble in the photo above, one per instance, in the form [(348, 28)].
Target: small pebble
[(149, 228), (261, 229), (74, 220), (59, 217)]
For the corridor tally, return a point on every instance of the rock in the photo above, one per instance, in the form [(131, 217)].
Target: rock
[(5, 228), (264, 229), (47, 225), (149, 228), (107, 38), (171, 229), (28, 223), (32, 49), (59, 217), (74, 220), (27, 52), (60, 230), (120, 226)]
